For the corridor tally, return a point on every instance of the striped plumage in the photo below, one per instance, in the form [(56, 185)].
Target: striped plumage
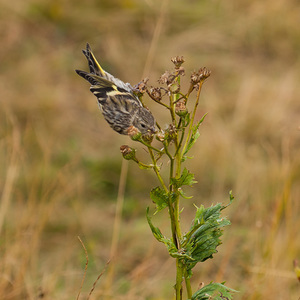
[(120, 107)]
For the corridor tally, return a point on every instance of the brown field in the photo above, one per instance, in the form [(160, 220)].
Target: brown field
[(61, 165)]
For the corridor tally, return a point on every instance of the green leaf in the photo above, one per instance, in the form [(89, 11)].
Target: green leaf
[(186, 178), (159, 197), (214, 291), (162, 198), (158, 235), (201, 242), (194, 137)]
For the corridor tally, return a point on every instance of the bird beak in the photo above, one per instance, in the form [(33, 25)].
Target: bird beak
[(152, 130)]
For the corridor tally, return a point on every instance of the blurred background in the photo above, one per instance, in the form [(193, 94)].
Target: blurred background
[(60, 161)]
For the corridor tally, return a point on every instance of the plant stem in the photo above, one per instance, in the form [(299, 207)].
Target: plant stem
[(149, 146), (156, 170), (179, 276), (188, 285), (193, 118), (170, 204)]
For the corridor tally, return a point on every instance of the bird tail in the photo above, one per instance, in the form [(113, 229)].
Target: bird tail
[(96, 69), (94, 66)]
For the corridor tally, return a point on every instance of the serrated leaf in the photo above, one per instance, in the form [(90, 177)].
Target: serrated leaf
[(159, 197), (213, 291), (186, 178), (162, 198), (201, 241)]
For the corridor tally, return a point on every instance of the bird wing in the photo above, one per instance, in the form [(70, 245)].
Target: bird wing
[(103, 88)]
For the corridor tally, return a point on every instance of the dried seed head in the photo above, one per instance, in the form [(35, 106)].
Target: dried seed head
[(177, 61), (200, 75), (167, 78), (195, 78), (128, 152), (204, 73), (155, 93), (142, 86), (134, 133), (180, 108)]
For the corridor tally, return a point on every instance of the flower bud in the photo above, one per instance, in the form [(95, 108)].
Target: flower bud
[(134, 133), (128, 152), (171, 133), (148, 137), (180, 108)]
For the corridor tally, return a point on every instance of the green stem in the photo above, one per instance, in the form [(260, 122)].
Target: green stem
[(171, 163), (149, 146), (179, 276), (157, 101), (156, 170), (188, 285), (170, 204), (193, 118)]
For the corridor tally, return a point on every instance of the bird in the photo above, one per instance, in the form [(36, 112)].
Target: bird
[(120, 107)]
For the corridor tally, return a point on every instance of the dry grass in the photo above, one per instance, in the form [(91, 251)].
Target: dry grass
[(60, 162)]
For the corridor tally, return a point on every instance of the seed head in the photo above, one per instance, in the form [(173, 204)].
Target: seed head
[(155, 93), (177, 61), (148, 137), (128, 152), (180, 108), (134, 133), (200, 75), (171, 133), (142, 86), (167, 78)]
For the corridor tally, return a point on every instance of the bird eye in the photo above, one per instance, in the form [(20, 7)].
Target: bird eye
[(143, 125)]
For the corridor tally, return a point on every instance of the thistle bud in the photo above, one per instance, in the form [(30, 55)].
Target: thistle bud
[(171, 133), (134, 133), (180, 108), (148, 137), (128, 152)]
